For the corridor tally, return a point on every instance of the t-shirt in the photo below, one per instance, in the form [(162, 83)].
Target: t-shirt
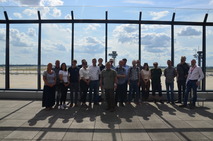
[(84, 73), (121, 71), (74, 74), (156, 74), (56, 70), (50, 77), (182, 71), (94, 72), (170, 74), (108, 78), (146, 74), (65, 75)]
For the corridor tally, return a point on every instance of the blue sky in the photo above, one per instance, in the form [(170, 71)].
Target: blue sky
[(90, 39)]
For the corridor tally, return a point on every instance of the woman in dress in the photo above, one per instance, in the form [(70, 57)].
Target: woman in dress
[(49, 77)]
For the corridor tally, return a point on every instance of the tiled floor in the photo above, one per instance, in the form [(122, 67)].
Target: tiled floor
[(26, 120)]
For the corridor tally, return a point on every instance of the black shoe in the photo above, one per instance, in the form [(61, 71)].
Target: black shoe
[(178, 102), (172, 103), (182, 106), (161, 102), (168, 102)]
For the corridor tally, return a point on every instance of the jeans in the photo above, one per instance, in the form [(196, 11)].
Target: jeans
[(120, 93), (191, 84), (156, 86), (145, 90), (63, 93), (84, 90), (181, 89), (133, 89), (94, 87), (170, 88), (110, 98), (74, 88)]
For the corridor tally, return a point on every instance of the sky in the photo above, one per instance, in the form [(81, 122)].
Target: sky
[(90, 38)]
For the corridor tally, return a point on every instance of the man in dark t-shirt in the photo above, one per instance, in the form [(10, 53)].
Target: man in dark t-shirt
[(182, 72), (74, 82), (156, 81)]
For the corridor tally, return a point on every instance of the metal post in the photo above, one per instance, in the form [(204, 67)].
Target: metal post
[(139, 36), (106, 36), (172, 39), (72, 38), (7, 53), (39, 53), (204, 53)]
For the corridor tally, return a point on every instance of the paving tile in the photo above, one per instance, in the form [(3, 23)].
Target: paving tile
[(51, 134), (107, 135), (134, 135), (191, 135), (155, 124), (170, 136), (80, 135)]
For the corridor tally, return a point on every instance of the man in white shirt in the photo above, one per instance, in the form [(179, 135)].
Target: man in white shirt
[(195, 75), (94, 72)]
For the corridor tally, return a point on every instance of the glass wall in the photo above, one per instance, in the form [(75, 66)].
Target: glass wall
[(209, 58), (55, 45), (188, 41), (23, 56), (123, 38), (156, 46), (89, 42), (2, 55)]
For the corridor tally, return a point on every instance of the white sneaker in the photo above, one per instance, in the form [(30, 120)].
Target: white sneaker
[(59, 107)]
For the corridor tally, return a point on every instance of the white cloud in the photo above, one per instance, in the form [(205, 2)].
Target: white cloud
[(30, 12), (18, 15), (31, 32), (68, 16), (51, 2), (3, 0), (2, 34), (39, 2), (158, 15), (20, 39), (92, 27), (126, 33), (56, 12), (145, 2), (189, 31)]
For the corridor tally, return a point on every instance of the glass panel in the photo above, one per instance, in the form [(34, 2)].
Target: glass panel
[(2, 55), (210, 16), (209, 58), (55, 45), (156, 46), (2, 14), (192, 15), (23, 56), (90, 44), (188, 41), (123, 38), (160, 14), (23, 13)]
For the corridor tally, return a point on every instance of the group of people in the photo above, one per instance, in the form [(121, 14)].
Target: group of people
[(83, 80)]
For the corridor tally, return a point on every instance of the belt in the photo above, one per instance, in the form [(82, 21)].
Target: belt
[(193, 80)]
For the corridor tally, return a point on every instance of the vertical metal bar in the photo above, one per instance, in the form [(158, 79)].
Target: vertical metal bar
[(72, 38), (39, 53), (204, 53), (7, 57), (106, 36), (172, 40), (7, 53), (139, 36)]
